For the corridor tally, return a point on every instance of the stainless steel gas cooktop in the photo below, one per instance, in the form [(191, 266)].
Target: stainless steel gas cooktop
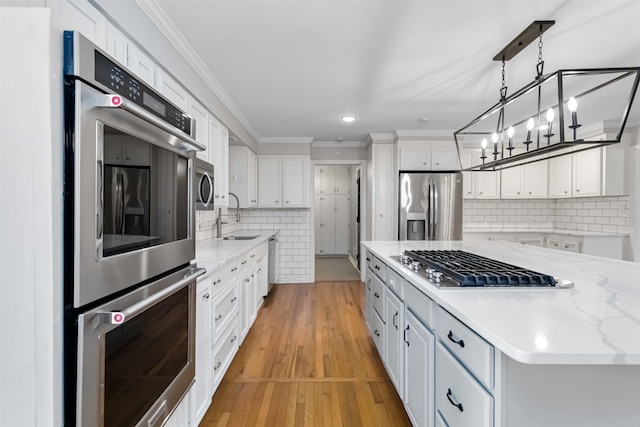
[(460, 269)]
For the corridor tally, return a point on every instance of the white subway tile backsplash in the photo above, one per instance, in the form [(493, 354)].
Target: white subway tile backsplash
[(586, 214)]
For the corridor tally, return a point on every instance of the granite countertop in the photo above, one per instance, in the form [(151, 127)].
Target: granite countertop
[(212, 254), (595, 322), (566, 232)]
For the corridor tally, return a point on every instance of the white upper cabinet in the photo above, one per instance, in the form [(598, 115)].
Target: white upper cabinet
[(587, 173), (171, 89), (80, 15), (468, 177), (243, 176), (129, 54), (219, 157), (527, 181), (428, 156), (201, 117), (480, 184), (332, 179), (295, 181), (560, 176), (283, 181), (269, 181), (382, 187)]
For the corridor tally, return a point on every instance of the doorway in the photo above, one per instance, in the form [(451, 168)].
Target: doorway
[(337, 221)]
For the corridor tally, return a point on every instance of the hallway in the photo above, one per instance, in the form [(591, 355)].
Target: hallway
[(308, 360)]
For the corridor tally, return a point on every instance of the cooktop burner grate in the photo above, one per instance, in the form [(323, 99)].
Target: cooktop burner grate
[(474, 270)]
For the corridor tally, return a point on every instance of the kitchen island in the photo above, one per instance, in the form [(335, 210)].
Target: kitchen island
[(529, 356)]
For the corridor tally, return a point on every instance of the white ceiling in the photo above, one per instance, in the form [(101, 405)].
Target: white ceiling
[(294, 67)]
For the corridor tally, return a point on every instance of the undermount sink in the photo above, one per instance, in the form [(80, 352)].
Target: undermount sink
[(239, 237)]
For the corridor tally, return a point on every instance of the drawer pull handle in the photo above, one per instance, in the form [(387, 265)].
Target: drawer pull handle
[(457, 405), (369, 284), (206, 296), (375, 294), (405, 335), (235, 337), (234, 299), (376, 333), (218, 317), (368, 259), (395, 316), (218, 363), (460, 343), (376, 267)]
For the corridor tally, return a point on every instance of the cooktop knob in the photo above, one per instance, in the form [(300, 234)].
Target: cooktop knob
[(437, 276), (415, 265), (429, 271)]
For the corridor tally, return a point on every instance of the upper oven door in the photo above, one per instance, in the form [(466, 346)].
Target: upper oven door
[(133, 215)]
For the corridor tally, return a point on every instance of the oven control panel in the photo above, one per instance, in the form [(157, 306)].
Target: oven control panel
[(119, 81)]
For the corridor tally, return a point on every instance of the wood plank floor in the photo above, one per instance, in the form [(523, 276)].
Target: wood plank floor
[(308, 360)]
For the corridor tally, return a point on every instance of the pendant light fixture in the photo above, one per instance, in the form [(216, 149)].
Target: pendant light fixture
[(556, 114)]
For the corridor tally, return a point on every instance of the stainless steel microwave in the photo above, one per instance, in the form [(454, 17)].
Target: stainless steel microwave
[(204, 185)]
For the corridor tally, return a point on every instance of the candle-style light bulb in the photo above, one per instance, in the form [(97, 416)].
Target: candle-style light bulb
[(494, 139), (510, 133), (484, 146), (530, 124), (572, 105), (550, 116)]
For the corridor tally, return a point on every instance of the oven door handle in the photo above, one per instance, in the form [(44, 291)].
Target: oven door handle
[(119, 317), (117, 101)]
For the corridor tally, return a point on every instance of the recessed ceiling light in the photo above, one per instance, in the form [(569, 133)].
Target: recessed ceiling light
[(423, 119), (339, 139), (348, 119)]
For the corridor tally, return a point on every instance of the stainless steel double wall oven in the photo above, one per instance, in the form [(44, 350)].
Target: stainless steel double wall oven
[(129, 243)]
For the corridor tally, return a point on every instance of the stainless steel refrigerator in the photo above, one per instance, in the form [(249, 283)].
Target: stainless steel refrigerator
[(430, 206)]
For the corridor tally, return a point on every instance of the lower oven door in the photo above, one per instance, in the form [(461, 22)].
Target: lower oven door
[(136, 354)]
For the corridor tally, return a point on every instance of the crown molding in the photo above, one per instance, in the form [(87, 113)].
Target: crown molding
[(380, 138), (175, 37), (285, 140), (336, 144), (423, 134)]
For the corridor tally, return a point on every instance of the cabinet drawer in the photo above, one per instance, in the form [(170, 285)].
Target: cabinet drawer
[(473, 351), (225, 350), (377, 332), (420, 304), (377, 296), (225, 308), (243, 261), (378, 268), (259, 252), (369, 260), (459, 398), (223, 275), (395, 282)]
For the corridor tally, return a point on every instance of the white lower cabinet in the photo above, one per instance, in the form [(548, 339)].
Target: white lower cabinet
[(200, 393), (223, 352), (440, 422), (394, 327), (419, 365), (368, 306), (459, 397)]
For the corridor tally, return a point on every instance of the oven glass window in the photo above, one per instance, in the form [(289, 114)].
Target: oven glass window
[(142, 357), (145, 194)]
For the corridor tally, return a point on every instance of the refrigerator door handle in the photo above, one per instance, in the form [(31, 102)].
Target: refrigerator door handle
[(434, 224), (431, 216)]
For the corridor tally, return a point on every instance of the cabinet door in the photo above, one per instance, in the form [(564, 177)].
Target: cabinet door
[(419, 366), (487, 185), (468, 178), (171, 89), (341, 224), (445, 159), (325, 177), (117, 44), (245, 304), (368, 305), (201, 117), (512, 183), (269, 182), (536, 177), (342, 174), (415, 159), (81, 16), (252, 178), (395, 346), (201, 389), (295, 178), (141, 65), (135, 153), (560, 176), (318, 225), (384, 183), (328, 224), (587, 171), (222, 170)]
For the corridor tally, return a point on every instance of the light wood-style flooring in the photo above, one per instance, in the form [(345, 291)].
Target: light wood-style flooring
[(308, 360)]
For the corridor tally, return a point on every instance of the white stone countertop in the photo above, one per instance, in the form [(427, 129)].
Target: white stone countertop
[(577, 233), (212, 254), (595, 322)]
